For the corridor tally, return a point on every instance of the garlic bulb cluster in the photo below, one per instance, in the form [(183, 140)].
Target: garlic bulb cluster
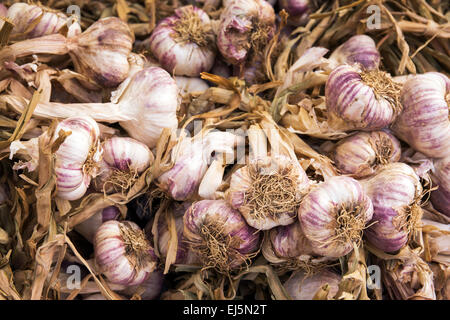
[(184, 43), (300, 286), (334, 214), (361, 100), (362, 154), (423, 98), (77, 157), (395, 191), (219, 235), (89, 227), (123, 253), (123, 160), (32, 21), (440, 174), (245, 28)]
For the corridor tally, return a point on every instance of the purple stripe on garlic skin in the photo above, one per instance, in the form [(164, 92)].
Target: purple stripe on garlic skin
[(440, 174), (338, 199), (362, 154), (89, 227), (424, 121), (123, 254), (298, 11), (352, 104), (394, 190), (184, 57), (217, 215), (299, 286), (152, 286)]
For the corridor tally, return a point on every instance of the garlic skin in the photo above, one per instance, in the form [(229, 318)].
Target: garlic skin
[(280, 172), (362, 154), (245, 27), (152, 287), (333, 215), (219, 235), (184, 43), (298, 11), (89, 227), (395, 191), (189, 85), (77, 157), (3, 11), (440, 174), (424, 121), (353, 103), (302, 287), (359, 49), (123, 254), (123, 160), (3, 194)]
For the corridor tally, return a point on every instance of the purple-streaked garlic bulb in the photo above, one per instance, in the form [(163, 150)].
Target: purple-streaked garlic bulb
[(359, 49), (440, 176), (221, 68), (268, 190), (361, 100), (189, 85), (362, 154), (298, 10), (3, 10), (246, 26), (191, 158), (150, 289), (219, 235), (334, 214), (77, 157), (395, 191), (301, 286), (144, 108), (184, 43), (89, 227), (32, 21), (424, 122), (100, 52), (124, 159), (123, 253)]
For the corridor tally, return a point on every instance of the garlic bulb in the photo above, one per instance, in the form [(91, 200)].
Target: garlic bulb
[(334, 214), (298, 10), (363, 153), (188, 85), (268, 190), (123, 254), (364, 100), (302, 287), (359, 49), (144, 108), (245, 28), (152, 287), (77, 157), (395, 191), (184, 43), (123, 160), (89, 227), (32, 21), (424, 122), (3, 10), (100, 52), (219, 235), (440, 198)]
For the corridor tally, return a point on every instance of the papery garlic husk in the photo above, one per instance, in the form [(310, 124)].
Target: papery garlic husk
[(77, 157), (124, 159), (395, 191), (268, 191), (363, 100), (32, 21), (287, 248), (184, 42), (123, 253), (301, 286), (184, 255), (424, 122), (144, 108), (359, 49), (150, 289), (362, 154), (89, 227), (440, 175), (246, 26), (191, 157), (334, 214), (219, 236)]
